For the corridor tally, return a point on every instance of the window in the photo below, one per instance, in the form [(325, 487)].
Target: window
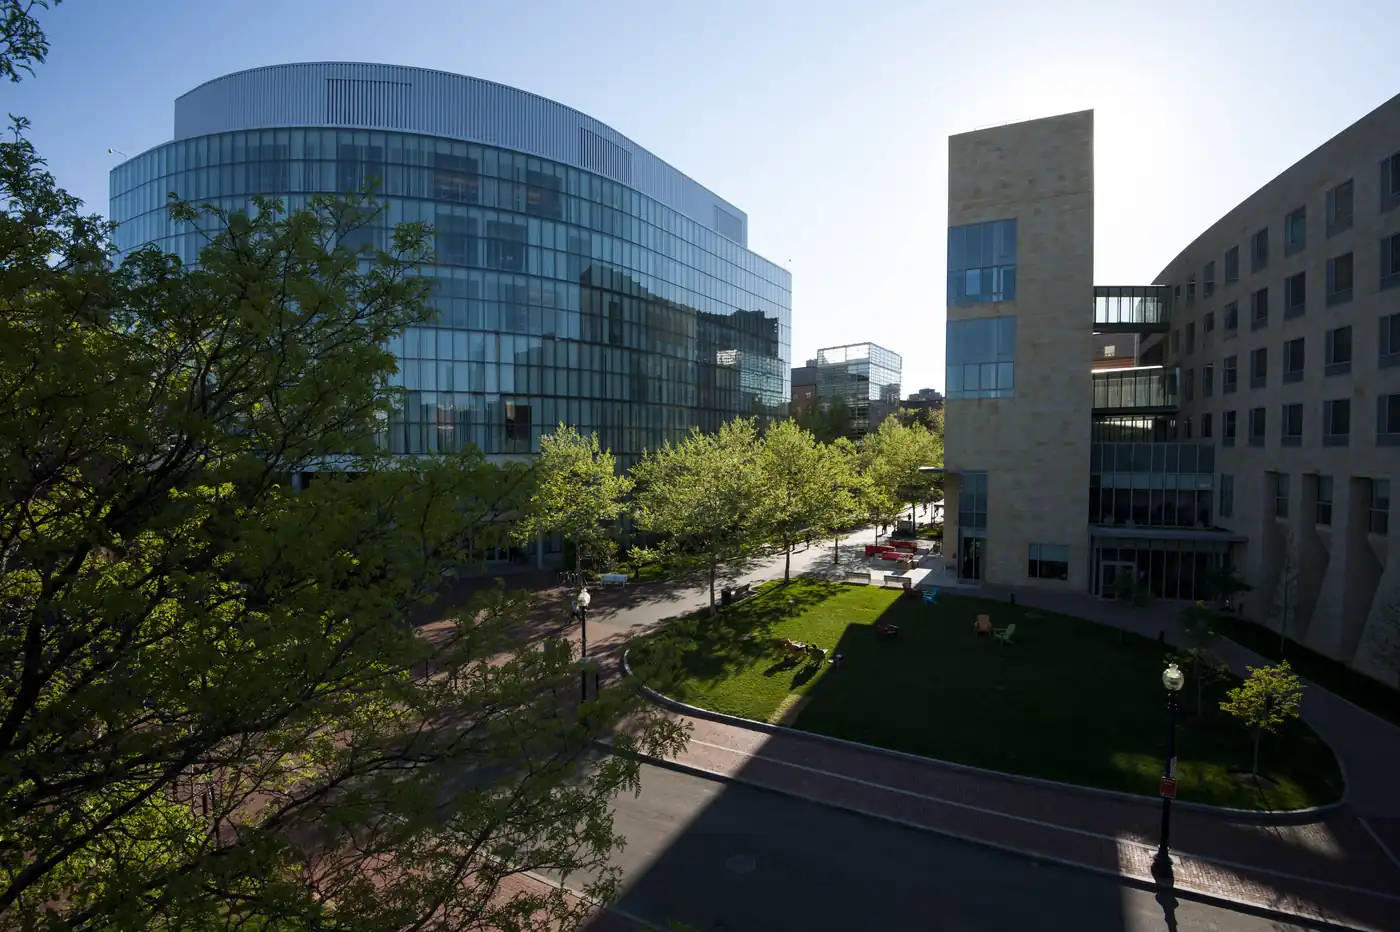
[(1390, 261), (1048, 561), (1257, 425), (1207, 380), (1292, 434), (1259, 367), (1210, 321), (518, 424), (1229, 379), (1390, 341), (1191, 337), (1339, 208), (1259, 251), (1186, 428), (1227, 495), (1336, 422), (1176, 342), (1205, 425), (1390, 181), (1190, 292), (1339, 279), (1232, 316), (1280, 494), (1379, 519), (981, 357), (982, 262), (1295, 231), (1188, 384), (1227, 428), (1337, 359), (1324, 500), (1232, 264), (1295, 294), (1388, 420), (1259, 309), (972, 501), (1293, 360), (1208, 280)]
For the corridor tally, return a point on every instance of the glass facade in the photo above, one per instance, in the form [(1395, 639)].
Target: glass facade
[(865, 376), (1151, 484), (561, 295), (1128, 390), (982, 262), (981, 358)]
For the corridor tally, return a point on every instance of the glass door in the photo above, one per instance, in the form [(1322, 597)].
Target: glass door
[(1110, 570), (971, 556)]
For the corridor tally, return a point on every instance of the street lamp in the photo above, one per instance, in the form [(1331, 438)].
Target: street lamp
[(1173, 680), (581, 603)]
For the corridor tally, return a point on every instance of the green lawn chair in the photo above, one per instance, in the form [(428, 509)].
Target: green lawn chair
[(1004, 635)]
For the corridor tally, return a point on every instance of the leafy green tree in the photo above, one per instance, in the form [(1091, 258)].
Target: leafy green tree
[(806, 491), (22, 41), (209, 713), (700, 496), (828, 420), (1198, 658), (1268, 699), (577, 493), (891, 459)]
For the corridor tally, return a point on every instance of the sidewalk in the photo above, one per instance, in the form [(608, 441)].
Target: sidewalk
[(1328, 868)]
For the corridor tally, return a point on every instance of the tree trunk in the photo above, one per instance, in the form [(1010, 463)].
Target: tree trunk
[(836, 550), (787, 564), (713, 610), (1254, 771)]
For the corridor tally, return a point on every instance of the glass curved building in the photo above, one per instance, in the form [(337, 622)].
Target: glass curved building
[(577, 277)]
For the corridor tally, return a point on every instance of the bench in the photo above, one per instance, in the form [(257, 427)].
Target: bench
[(858, 575), (891, 555), (872, 549), (902, 582), (730, 595), (908, 546), (618, 579), (885, 629)]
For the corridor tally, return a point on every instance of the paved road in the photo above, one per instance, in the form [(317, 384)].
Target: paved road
[(729, 857)]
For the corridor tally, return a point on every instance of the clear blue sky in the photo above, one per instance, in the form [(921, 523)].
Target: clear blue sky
[(827, 122)]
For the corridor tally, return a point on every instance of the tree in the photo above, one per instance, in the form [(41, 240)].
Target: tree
[(892, 458), (1222, 582), (22, 41), (700, 495), (1268, 699), (805, 489), (828, 421), (577, 493), (1199, 659), (208, 707)]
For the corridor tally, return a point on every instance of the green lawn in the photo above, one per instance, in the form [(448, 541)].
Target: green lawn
[(1070, 700)]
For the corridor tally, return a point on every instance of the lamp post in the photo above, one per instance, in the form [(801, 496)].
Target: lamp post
[(581, 604), (1172, 679)]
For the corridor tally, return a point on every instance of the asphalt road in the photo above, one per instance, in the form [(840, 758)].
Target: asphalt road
[(729, 857)]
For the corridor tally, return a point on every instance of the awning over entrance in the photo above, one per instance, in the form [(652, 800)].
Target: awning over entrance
[(1208, 535)]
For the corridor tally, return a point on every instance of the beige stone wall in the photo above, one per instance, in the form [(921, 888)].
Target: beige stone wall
[(1346, 577), (1035, 445)]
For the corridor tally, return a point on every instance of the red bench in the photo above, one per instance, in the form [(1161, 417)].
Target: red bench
[(872, 549), (891, 555), (908, 546)]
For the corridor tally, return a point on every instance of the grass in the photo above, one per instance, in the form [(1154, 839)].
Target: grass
[(1070, 700), (1333, 675)]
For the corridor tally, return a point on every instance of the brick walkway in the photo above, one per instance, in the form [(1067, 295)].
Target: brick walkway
[(1328, 868)]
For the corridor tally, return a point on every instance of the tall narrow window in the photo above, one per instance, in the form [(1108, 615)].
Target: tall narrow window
[(1207, 380), (1227, 429), (1337, 358), (1280, 494), (1378, 517), (1229, 379), (1390, 261), (1208, 280), (1259, 367), (1388, 420), (1259, 251), (1257, 427), (1227, 495), (1339, 273), (1295, 231), (1389, 340), (1232, 264), (1205, 425), (1259, 309), (1390, 181), (1339, 208), (1336, 422), (1293, 360), (1232, 317), (1291, 434), (1324, 500), (1295, 294)]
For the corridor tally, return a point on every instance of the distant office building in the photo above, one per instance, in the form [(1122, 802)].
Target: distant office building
[(577, 277), (1243, 410), (862, 376), (924, 399)]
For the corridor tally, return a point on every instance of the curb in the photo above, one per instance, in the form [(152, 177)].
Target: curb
[(1262, 816), (1185, 891)]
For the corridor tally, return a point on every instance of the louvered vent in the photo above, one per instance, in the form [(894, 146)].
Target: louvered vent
[(356, 102), (605, 158)]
